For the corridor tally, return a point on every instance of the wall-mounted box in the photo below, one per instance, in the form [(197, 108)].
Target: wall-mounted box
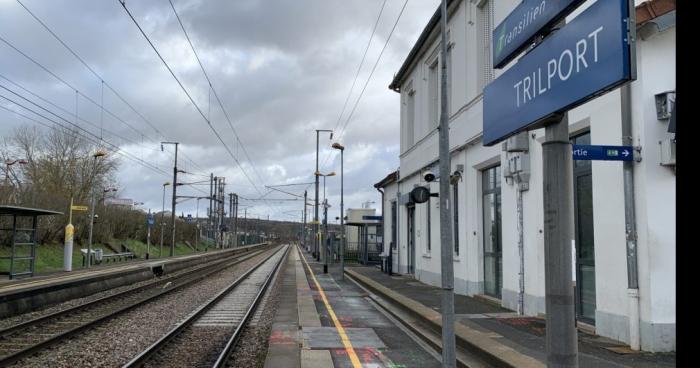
[(518, 143), (664, 104), (667, 148)]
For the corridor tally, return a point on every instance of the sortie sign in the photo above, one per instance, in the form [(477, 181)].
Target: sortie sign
[(604, 153), (530, 18), (584, 59)]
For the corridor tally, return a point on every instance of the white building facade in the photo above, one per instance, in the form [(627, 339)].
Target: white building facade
[(492, 246)]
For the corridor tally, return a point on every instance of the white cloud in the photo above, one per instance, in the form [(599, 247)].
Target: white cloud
[(281, 68)]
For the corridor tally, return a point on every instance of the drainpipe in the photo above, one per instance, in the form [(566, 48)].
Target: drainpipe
[(630, 221), (521, 247), (385, 266), (398, 227)]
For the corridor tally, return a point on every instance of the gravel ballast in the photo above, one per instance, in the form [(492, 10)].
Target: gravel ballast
[(114, 343)]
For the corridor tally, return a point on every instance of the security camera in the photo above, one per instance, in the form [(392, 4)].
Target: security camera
[(428, 176)]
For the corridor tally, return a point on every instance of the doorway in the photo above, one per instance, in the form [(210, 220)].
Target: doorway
[(411, 246), (493, 255), (583, 229)]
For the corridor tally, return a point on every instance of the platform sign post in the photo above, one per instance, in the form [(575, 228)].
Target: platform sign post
[(150, 220), (68, 241)]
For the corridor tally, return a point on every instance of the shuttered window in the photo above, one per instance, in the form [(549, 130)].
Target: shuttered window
[(484, 49)]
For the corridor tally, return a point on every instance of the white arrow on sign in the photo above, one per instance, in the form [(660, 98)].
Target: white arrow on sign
[(626, 153)]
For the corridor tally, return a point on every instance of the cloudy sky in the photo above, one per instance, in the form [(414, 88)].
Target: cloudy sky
[(281, 68)]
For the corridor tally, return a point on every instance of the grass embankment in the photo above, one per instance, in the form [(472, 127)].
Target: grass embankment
[(49, 257)]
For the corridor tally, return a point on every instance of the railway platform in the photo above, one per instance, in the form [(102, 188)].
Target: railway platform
[(500, 336), (323, 321), (28, 294)]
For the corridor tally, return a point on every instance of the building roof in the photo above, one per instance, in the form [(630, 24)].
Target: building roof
[(645, 12), (652, 9), (432, 24), (25, 211), (391, 178)]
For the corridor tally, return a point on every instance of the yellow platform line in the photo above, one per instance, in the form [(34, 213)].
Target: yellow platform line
[(341, 331)]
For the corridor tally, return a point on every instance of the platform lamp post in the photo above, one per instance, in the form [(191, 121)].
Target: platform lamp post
[(98, 153), (162, 223), (316, 229), (324, 255), (175, 185), (9, 163), (340, 147)]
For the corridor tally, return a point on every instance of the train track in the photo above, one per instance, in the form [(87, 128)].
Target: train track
[(209, 335), (27, 338)]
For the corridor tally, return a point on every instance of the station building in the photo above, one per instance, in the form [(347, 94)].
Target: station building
[(498, 215)]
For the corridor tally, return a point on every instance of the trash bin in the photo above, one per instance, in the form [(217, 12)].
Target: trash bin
[(98, 255)]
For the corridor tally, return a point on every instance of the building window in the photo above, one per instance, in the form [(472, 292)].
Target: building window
[(493, 259), (455, 217), (485, 30), (393, 225), (433, 93), (410, 117)]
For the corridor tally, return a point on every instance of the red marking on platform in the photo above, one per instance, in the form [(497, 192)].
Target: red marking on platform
[(278, 337), (345, 321), (367, 355)]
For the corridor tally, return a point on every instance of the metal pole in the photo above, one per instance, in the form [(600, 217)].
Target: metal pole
[(68, 241), (325, 230), (197, 221), (209, 210), (561, 338), (306, 244), (92, 220), (322, 239), (162, 225), (342, 227), (172, 218), (630, 220), (448, 335), (316, 255)]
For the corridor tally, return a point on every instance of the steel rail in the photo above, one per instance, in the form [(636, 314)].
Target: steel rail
[(13, 357), (223, 359), (145, 355)]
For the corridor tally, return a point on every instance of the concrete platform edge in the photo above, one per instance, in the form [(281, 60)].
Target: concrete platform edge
[(29, 297), (491, 350)]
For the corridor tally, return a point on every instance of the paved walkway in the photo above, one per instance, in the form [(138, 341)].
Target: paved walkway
[(524, 334), (323, 321)]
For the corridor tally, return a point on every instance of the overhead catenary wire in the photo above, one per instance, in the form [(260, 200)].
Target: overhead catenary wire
[(369, 78), (94, 139), (359, 67), (184, 89), (75, 132), (216, 94), (103, 83)]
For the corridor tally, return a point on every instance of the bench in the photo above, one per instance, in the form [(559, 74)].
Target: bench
[(98, 257)]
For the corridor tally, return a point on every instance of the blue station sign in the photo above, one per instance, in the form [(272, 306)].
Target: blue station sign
[(520, 27), (150, 219), (605, 153), (583, 60)]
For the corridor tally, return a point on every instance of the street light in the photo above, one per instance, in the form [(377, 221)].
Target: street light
[(325, 221), (340, 147), (175, 171), (98, 153), (316, 243), (9, 163), (162, 224)]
